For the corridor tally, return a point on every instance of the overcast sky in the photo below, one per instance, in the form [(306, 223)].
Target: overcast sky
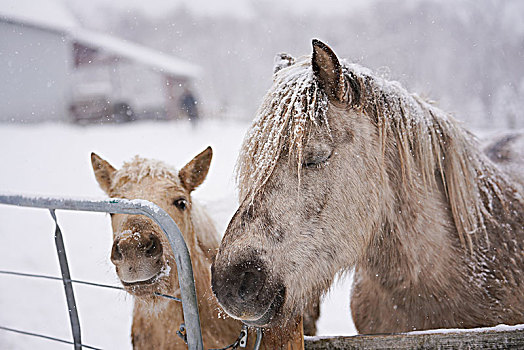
[(218, 7)]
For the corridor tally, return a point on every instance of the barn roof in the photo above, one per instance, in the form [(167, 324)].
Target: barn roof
[(157, 60), (53, 15), (47, 14)]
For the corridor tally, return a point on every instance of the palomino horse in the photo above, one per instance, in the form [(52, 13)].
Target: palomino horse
[(344, 170), (145, 263), (143, 258)]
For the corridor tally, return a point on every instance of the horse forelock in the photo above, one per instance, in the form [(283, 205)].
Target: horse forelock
[(430, 143), (139, 168), (288, 110)]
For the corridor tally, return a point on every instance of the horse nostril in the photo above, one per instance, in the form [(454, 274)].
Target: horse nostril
[(251, 282), (154, 247), (116, 253)]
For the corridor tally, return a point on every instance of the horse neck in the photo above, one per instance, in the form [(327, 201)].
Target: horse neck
[(416, 240), (418, 232), (416, 259)]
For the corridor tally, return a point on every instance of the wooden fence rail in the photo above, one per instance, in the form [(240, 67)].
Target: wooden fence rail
[(487, 338)]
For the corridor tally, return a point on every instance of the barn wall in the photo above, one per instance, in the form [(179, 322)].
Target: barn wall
[(141, 87), (124, 81), (34, 74)]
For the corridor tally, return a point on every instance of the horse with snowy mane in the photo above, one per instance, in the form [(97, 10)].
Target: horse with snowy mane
[(145, 263), (342, 169)]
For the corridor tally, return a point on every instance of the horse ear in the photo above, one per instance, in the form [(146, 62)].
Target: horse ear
[(283, 60), (103, 172), (195, 172), (328, 71)]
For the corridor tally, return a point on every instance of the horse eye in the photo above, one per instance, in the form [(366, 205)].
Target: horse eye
[(311, 165), (316, 160), (180, 203)]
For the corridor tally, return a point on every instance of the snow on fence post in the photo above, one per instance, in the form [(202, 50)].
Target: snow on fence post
[(171, 230)]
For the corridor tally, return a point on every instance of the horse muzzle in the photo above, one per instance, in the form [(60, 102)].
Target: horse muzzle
[(246, 292), (138, 260)]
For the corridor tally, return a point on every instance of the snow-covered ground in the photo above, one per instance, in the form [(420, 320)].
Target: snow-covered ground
[(54, 159)]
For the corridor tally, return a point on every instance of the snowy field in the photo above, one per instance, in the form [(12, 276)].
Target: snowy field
[(54, 160)]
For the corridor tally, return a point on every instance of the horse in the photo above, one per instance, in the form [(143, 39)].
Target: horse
[(142, 255), (344, 170), (145, 263)]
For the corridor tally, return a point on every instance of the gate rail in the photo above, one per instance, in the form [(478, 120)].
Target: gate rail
[(157, 214)]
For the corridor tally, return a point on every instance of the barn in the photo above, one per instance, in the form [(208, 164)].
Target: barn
[(53, 69)]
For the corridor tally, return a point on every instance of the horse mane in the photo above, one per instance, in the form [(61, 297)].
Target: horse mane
[(430, 143)]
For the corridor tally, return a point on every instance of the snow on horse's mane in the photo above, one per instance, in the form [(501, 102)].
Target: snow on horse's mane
[(293, 102), (429, 141), (139, 168)]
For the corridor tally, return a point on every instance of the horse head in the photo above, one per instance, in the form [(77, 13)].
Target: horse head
[(141, 254), (290, 234), (343, 169)]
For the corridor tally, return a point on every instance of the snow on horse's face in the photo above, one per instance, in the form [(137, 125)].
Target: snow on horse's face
[(141, 254), (289, 235)]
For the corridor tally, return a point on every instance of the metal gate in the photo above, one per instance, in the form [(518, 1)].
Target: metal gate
[(193, 332)]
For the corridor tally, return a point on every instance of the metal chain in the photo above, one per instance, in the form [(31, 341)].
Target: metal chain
[(241, 341)]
